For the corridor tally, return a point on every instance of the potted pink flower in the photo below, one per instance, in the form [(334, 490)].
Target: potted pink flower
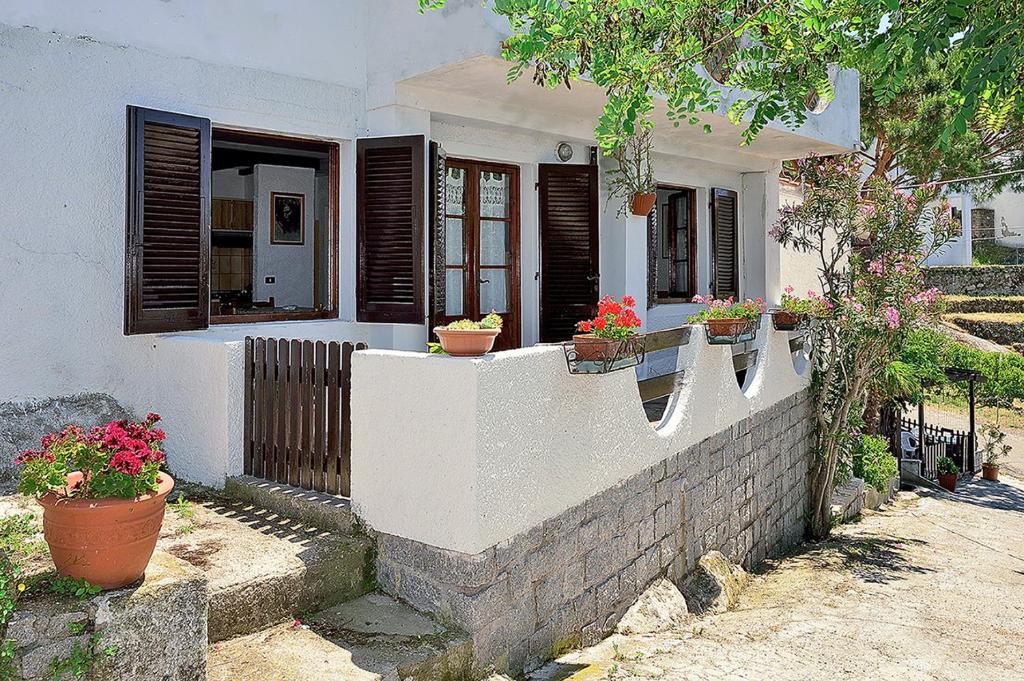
[(103, 497), (793, 311), (727, 318), (601, 336)]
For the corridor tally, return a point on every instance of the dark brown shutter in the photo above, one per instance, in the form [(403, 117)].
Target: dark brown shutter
[(725, 278), (653, 248), (167, 248), (389, 229), (438, 202), (568, 248)]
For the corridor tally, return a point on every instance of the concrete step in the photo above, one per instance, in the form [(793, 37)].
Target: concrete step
[(264, 568), (370, 638), (314, 508)]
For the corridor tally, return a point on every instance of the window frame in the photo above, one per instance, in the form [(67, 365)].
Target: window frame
[(691, 283), (223, 133)]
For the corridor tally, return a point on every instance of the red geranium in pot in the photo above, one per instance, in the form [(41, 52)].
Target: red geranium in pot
[(601, 336), (103, 498)]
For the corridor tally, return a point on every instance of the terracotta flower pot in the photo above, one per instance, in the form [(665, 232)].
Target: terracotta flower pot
[(990, 471), (466, 342), (107, 542), (590, 348), (731, 326), (948, 481), (641, 203), (785, 320)]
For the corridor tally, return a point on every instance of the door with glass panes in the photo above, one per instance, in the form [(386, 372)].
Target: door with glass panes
[(482, 245)]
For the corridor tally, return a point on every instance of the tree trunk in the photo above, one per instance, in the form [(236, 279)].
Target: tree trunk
[(873, 412)]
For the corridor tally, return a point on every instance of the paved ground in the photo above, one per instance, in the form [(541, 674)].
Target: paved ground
[(932, 588)]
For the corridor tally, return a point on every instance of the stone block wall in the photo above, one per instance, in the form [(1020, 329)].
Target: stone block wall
[(153, 630), (568, 581), (983, 223), (987, 280), (23, 423)]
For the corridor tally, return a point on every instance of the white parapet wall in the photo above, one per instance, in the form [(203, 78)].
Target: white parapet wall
[(465, 453)]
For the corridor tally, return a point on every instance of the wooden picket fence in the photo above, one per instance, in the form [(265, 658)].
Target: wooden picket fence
[(297, 421)]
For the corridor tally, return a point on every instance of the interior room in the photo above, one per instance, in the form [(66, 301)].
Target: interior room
[(270, 236)]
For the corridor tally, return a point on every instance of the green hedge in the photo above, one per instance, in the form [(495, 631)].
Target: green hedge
[(930, 351)]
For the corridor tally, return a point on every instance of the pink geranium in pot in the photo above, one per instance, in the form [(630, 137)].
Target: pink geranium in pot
[(103, 497)]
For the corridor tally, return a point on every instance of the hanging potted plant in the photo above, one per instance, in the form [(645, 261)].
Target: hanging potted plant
[(467, 338), (994, 447), (727, 319), (602, 336), (793, 311), (103, 497), (632, 179), (948, 473)]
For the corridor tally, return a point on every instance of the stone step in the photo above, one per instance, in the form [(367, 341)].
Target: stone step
[(264, 568), (982, 303), (314, 508), (372, 637)]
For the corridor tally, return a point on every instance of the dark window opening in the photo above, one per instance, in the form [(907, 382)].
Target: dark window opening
[(273, 228)]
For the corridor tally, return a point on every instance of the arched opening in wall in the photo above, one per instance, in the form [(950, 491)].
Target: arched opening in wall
[(662, 378)]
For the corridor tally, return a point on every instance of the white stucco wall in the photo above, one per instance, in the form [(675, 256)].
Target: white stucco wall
[(290, 265), (1008, 207), (957, 251), (486, 448)]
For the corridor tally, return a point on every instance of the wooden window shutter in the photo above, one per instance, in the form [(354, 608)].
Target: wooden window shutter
[(167, 247), (724, 237), (389, 229), (438, 202), (570, 265), (652, 257)]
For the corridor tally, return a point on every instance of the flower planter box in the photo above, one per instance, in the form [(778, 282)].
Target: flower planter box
[(107, 542), (730, 331), (948, 481), (466, 342), (990, 472), (586, 354), (641, 203), (783, 320)]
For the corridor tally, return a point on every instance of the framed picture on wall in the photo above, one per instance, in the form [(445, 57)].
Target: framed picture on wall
[(287, 218)]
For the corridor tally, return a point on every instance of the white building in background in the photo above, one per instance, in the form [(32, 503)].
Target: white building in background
[(177, 176)]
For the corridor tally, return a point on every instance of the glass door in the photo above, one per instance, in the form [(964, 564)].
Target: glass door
[(482, 245)]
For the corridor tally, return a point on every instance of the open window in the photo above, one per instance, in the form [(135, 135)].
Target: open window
[(673, 244), (226, 226), (273, 227)]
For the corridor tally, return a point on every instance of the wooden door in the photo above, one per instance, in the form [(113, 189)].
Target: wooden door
[(680, 230), (569, 266), (481, 245)]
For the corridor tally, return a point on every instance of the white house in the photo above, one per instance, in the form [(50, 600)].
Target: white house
[(180, 175)]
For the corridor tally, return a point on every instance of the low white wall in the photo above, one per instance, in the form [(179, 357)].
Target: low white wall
[(465, 453)]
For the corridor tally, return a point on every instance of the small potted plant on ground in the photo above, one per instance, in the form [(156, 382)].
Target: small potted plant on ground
[(948, 473), (793, 311), (633, 178), (103, 497), (727, 319), (467, 338), (601, 337), (994, 447)]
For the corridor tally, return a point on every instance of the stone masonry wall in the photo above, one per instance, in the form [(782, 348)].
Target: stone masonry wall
[(983, 223), (568, 581), (987, 280)]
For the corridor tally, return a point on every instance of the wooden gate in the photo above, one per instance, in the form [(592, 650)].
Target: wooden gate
[(297, 420)]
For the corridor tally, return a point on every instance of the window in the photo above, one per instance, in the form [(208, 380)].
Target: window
[(674, 245), (226, 226)]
